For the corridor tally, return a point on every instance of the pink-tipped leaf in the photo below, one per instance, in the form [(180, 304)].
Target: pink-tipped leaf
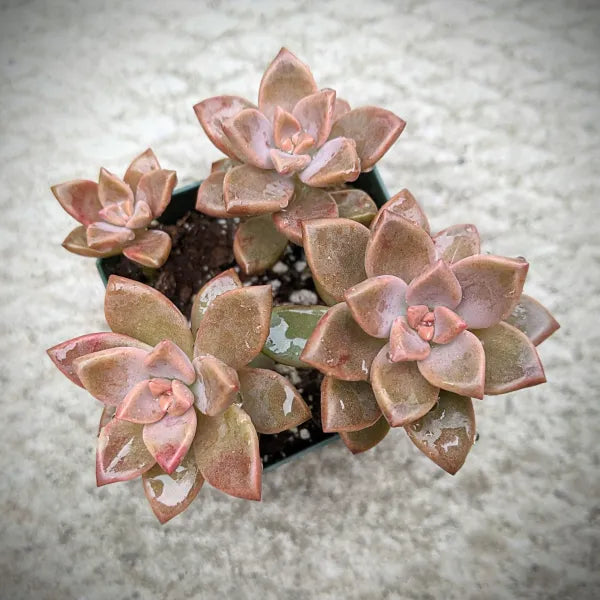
[(104, 237), (533, 319), (139, 166), (334, 163), (436, 286), (140, 405), (76, 242), (80, 199), (251, 135), (216, 387), (151, 248), (169, 361), (405, 343), (112, 189), (315, 114), (447, 325), (457, 242), (404, 205)]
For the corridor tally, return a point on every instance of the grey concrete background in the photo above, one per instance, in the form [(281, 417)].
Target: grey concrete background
[(502, 101)]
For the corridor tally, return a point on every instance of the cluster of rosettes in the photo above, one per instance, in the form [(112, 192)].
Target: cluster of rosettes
[(115, 213), (427, 321), (282, 154), (182, 405)]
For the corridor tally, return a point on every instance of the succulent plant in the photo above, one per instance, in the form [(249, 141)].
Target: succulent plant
[(115, 213), (284, 155), (182, 405), (419, 325)]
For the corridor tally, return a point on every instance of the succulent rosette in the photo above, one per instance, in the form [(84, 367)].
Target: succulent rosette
[(115, 213), (420, 324), (284, 154), (182, 404)]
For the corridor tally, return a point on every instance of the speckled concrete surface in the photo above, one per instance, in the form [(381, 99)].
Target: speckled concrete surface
[(502, 101)]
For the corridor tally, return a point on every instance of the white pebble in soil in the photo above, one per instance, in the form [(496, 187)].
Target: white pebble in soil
[(304, 297), (279, 268), (305, 434)]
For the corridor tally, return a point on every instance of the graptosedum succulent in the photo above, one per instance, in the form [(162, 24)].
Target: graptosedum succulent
[(419, 325), (182, 405), (115, 213), (284, 155)]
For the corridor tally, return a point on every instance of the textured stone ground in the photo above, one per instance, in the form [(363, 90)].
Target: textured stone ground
[(502, 101)]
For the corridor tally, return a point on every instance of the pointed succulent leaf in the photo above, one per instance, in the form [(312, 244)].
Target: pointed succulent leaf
[(398, 247), (405, 205), (376, 302), (340, 109), (334, 163), (216, 387), (335, 252), (115, 214), (491, 285), (258, 244), (223, 165), (141, 217), (170, 495), (271, 401), (104, 236), (458, 366), (285, 126), (121, 453), (533, 319), (288, 164), (223, 282), (457, 242), (373, 129), (63, 355), (367, 438), (235, 325), (251, 191), (415, 314), (155, 189), (315, 114), (308, 203), (447, 325), (144, 313), (291, 327), (140, 165), (181, 398), (210, 199), (111, 189), (150, 248), (511, 360), (76, 242), (339, 347), (227, 453), (347, 405), (140, 405), (284, 83), (402, 393), (436, 286), (355, 204), (169, 439), (80, 199), (212, 112), (169, 361), (108, 413), (447, 432), (251, 135), (110, 374), (405, 343)]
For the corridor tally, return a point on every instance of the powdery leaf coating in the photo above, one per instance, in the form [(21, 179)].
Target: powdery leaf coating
[(376, 302), (458, 366), (339, 347), (307, 204), (210, 199), (436, 286), (155, 189), (447, 432), (110, 374), (272, 402), (355, 204), (216, 387), (334, 163), (288, 164), (398, 247), (170, 495), (285, 125), (79, 198), (340, 109), (140, 405), (447, 325), (347, 405), (402, 393), (144, 313), (335, 251), (491, 286), (257, 244), (367, 438), (151, 248), (373, 129), (251, 135), (251, 191), (105, 236), (405, 343), (315, 114), (457, 242), (405, 205), (63, 355), (511, 360), (76, 242), (533, 319), (169, 439), (140, 165), (223, 282), (286, 81), (235, 325), (111, 189), (169, 361), (121, 453), (227, 453), (212, 112)]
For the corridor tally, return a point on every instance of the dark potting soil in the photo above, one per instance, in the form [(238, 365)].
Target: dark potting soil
[(203, 248)]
